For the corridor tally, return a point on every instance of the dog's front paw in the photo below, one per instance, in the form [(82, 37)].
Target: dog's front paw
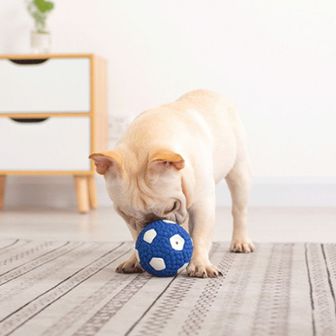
[(130, 265), (239, 245), (200, 269)]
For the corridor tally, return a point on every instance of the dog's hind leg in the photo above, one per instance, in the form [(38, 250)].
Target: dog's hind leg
[(239, 181)]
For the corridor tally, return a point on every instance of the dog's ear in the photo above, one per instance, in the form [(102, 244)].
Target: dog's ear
[(163, 160), (106, 160)]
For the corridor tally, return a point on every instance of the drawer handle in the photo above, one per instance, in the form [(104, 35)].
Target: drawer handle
[(27, 61), (29, 120)]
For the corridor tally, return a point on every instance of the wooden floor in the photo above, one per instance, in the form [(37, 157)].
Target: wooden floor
[(103, 224)]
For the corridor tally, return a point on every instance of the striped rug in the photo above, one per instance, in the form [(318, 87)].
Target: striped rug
[(70, 288)]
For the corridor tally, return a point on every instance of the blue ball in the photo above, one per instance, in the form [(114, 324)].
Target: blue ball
[(163, 248)]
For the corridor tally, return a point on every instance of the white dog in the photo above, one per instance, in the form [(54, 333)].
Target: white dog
[(166, 166)]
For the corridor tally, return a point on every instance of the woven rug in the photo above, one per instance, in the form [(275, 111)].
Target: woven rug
[(70, 288)]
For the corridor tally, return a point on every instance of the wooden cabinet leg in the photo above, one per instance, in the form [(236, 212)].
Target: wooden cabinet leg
[(2, 190), (82, 192), (92, 192)]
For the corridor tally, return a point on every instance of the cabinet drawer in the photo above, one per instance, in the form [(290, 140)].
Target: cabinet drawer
[(56, 143), (56, 85)]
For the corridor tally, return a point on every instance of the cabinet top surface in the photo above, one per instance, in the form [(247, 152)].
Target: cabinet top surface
[(37, 56)]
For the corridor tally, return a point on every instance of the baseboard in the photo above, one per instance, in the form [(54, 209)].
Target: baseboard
[(46, 191), (58, 192), (286, 192)]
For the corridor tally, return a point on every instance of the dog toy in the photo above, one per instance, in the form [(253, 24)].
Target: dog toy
[(163, 248)]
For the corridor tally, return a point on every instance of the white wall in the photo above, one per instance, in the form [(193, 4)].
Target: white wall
[(275, 59)]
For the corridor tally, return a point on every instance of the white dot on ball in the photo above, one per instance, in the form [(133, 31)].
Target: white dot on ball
[(168, 221), (158, 264), (182, 267), (177, 242), (149, 236), (137, 254)]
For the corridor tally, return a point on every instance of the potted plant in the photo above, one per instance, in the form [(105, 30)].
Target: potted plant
[(40, 36)]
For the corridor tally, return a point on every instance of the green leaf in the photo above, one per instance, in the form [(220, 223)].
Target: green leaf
[(44, 6)]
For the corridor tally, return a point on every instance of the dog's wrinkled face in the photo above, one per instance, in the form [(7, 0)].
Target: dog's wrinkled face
[(144, 191)]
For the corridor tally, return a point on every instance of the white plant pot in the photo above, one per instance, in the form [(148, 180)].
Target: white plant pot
[(40, 42)]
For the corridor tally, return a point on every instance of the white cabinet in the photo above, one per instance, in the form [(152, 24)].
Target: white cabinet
[(45, 144), (49, 85), (53, 114)]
